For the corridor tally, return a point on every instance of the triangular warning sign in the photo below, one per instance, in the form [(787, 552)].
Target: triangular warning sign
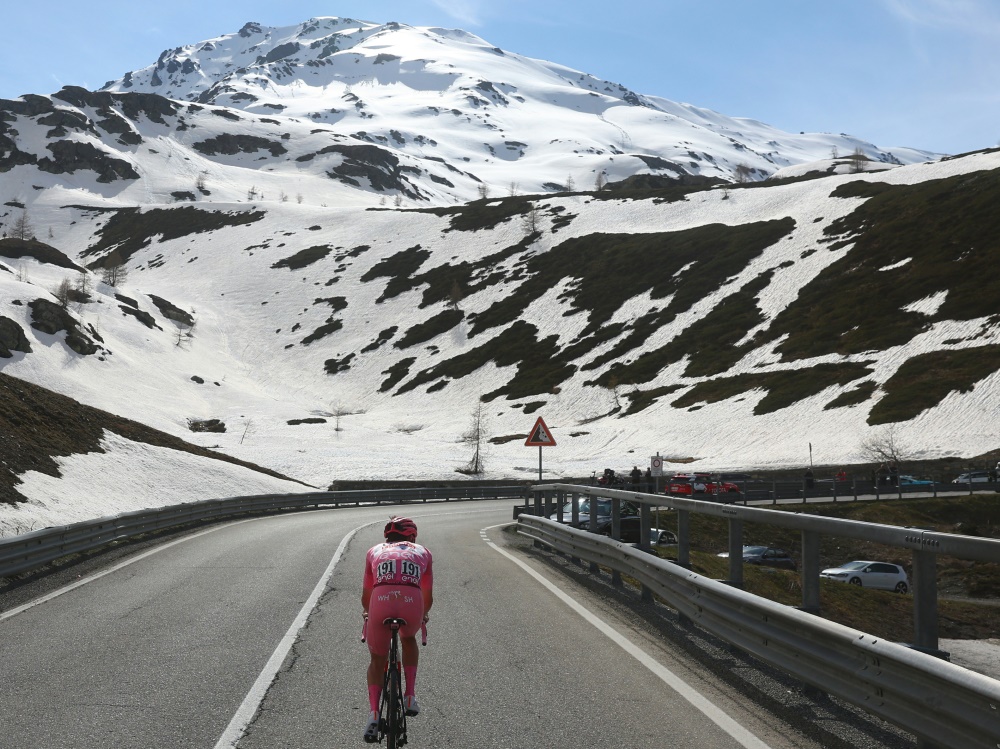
[(540, 436)]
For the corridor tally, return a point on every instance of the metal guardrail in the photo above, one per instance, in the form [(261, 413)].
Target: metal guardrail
[(935, 700), (30, 551), (924, 545), (758, 491)]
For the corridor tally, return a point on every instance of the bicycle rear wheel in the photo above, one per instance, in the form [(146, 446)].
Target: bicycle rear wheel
[(396, 728)]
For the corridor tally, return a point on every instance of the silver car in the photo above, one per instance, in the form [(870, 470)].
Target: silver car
[(878, 575)]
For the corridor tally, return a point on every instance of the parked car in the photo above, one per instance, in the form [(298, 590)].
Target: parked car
[(878, 575), (602, 507), (911, 481), (768, 556), (611, 479), (630, 521), (689, 484), (973, 477)]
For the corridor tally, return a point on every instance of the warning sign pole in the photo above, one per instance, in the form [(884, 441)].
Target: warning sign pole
[(540, 437)]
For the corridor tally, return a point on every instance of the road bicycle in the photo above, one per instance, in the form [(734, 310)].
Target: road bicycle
[(392, 710)]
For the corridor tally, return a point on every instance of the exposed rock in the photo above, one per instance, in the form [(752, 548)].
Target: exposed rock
[(231, 145), (49, 317), (12, 338), (71, 156), (206, 425), (16, 249), (144, 317), (171, 311)]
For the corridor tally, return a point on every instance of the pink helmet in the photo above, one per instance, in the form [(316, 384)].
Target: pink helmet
[(405, 527)]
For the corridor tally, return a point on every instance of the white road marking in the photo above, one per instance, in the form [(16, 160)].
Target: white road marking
[(672, 680), (97, 575), (251, 703)]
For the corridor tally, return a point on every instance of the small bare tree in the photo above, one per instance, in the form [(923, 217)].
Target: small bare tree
[(884, 445), (64, 293), (512, 189), (570, 183), (476, 437), (743, 173), (600, 180), (252, 193), (115, 272), (339, 411), (185, 332), (483, 190), (455, 296), (858, 161), (22, 229), (530, 221)]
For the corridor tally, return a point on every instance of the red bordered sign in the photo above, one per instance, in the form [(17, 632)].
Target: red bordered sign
[(540, 436)]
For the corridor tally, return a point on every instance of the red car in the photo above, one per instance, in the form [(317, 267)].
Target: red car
[(698, 483)]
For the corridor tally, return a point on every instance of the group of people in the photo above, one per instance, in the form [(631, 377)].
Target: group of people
[(886, 474)]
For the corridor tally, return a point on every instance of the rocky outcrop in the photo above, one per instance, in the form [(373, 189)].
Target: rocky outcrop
[(12, 338), (71, 156), (49, 317)]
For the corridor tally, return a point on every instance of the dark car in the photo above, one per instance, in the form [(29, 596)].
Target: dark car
[(630, 521), (602, 507), (768, 556)]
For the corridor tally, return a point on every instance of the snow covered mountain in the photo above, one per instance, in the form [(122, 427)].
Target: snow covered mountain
[(343, 112), (716, 317)]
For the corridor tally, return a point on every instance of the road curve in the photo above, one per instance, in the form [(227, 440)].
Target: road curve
[(165, 651)]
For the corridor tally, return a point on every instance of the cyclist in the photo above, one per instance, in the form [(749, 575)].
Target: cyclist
[(398, 583)]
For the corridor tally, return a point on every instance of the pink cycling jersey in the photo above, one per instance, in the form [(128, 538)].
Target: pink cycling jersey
[(397, 574)]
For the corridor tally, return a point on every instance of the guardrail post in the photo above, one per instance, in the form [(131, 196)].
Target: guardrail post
[(592, 527), (560, 500), (934, 487), (538, 513), (644, 533), (616, 534), (925, 618), (835, 489), (774, 492), (684, 538), (810, 571), (854, 481), (736, 552), (574, 498)]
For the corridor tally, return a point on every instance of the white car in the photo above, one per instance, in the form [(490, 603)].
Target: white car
[(878, 575)]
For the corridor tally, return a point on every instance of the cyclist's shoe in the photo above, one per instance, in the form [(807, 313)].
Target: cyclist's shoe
[(411, 706), (371, 732)]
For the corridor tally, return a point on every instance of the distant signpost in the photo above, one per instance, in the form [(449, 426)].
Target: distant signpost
[(540, 437)]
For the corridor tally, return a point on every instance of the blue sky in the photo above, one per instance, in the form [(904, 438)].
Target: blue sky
[(919, 73)]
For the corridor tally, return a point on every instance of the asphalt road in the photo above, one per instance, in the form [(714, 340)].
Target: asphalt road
[(165, 652)]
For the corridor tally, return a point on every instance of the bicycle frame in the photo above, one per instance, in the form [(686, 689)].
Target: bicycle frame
[(392, 724), (392, 720)]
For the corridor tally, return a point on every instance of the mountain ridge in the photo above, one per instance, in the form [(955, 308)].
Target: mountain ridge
[(339, 335)]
